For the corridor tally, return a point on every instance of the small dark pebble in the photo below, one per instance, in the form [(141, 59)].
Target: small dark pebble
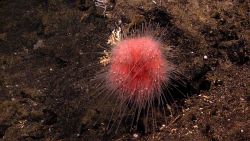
[(218, 82), (205, 85), (3, 128), (49, 117)]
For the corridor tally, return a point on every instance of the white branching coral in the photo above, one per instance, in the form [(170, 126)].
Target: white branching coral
[(102, 4)]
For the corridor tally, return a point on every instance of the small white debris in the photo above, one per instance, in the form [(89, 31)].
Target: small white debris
[(21, 123), (135, 135), (51, 69), (163, 126), (241, 131), (39, 44), (34, 104), (206, 97), (80, 52), (205, 57), (120, 22)]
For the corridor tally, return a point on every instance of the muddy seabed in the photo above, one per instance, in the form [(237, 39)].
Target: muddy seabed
[(49, 53)]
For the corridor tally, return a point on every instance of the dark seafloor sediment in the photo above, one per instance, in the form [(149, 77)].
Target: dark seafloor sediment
[(48, 55)]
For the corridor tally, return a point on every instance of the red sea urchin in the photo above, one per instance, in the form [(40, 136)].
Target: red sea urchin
[(136, 73), (137, 70)]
